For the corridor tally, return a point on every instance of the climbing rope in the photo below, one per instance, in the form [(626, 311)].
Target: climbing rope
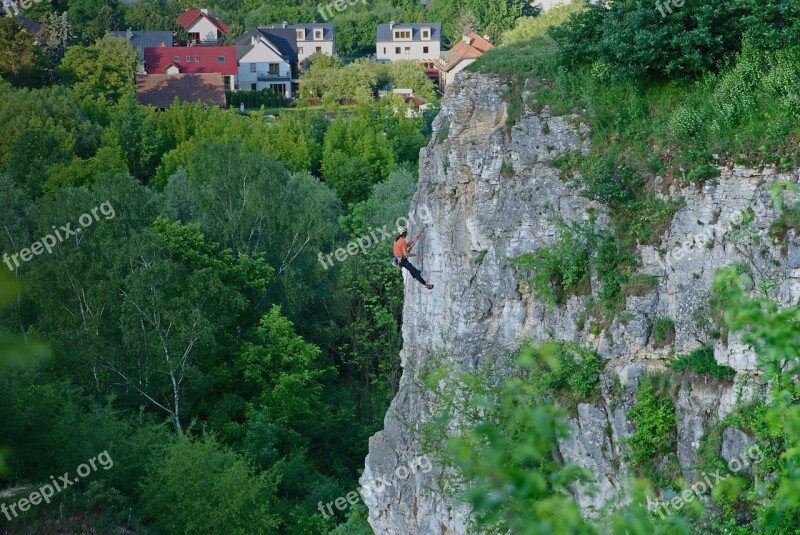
[(422, 254)]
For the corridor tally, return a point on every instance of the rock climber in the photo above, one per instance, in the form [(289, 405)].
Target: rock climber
[(402, 252)]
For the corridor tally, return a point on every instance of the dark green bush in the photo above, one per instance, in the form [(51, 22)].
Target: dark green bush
[(701, 361), (635, 40), (654, 420), (571, 375), (663, 331), (199, 486), (558, 271), (788, 220)]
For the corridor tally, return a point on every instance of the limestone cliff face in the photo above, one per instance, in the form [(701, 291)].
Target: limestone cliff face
[(481, 210)]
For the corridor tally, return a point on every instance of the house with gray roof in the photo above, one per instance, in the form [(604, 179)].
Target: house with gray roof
[(141, 40), (310, 38), (421, 42)]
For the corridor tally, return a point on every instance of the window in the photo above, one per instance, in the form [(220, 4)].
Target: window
[(317, 35), (188, 59), (300, 50), (197, 58), (278, 89), (177, 59), (397, 50), (402, 35), (426, 34), (424, 49), (319, 49), (274, 69), (253, 87), (301, 34), (221, 59), (408, 50), (384, 51), (252, 67)]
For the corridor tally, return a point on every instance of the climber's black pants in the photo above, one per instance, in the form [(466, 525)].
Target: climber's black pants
[(411, 269)]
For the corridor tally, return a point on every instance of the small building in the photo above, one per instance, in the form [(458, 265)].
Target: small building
[(310, 38), (141, 40), (421, 42), (193, 60), (203, 29), (463, 54), (161, 90)]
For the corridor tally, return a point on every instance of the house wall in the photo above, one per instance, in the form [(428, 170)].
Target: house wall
[(416, 51), (262, 56), (446, 78), (207, 31), (306, 48)]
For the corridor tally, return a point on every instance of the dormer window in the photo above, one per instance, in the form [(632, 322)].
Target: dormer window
[(426, 34), (301, 34), (402, 35), (317, 35), (177, 59)]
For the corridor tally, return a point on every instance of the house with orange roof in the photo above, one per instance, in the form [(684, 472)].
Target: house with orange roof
[(455, 60)]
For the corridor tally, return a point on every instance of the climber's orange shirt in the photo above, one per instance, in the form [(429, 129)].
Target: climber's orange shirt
[(400, 246)]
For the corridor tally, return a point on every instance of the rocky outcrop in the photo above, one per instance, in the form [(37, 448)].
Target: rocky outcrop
[(484, 213)]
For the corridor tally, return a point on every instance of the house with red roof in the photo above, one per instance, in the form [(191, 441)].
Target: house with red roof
[(455, 60), (193, 60), (203, 29)]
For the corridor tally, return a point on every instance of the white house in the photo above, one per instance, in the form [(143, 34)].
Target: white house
[(263, 65), (420, 42), (203, 29), (311, 38)]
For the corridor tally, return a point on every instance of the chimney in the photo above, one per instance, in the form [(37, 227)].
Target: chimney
[(391, 25), (486, 38), (285, 23), (204, 11), (468, 39)]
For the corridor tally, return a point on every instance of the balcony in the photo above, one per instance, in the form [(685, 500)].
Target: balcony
[(272, 77)]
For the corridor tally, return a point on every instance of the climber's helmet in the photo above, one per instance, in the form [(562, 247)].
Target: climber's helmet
[(402, 231)]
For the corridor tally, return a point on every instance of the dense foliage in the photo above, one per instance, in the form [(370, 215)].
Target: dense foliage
[(194, 333), (636, 39)]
